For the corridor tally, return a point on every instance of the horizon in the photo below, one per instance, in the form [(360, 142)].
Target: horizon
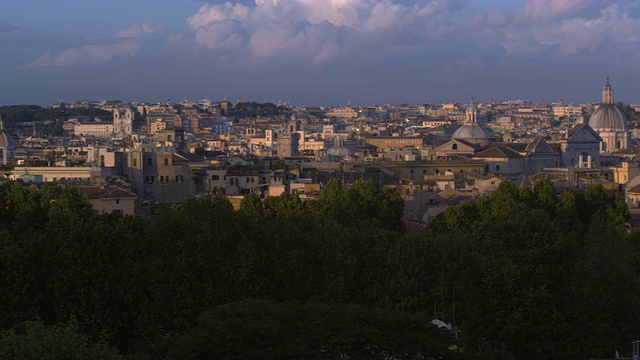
[(310, 53)]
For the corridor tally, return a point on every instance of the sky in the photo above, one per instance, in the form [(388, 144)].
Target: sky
[(318, 52)]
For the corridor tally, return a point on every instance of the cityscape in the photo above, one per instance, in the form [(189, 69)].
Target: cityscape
[(319, 179), (435, 155)]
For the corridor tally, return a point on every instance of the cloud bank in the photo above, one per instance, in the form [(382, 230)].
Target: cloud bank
[(126, 43), (311, 31), (318, 31)]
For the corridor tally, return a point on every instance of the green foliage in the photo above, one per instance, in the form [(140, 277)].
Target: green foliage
[(525, 273), (365, 203), (35, 341), (270, 330), (534, 250), (254, 109), (16, 114)]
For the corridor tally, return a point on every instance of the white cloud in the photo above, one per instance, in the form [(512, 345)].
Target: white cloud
[(138, 30), (318, 31), (87, 54), (561, 27), (127, 43), (303, 31)]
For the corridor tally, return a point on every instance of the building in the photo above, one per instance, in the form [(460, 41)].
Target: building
[(123, 121), (473, 130), (610, 123), (7, 146)]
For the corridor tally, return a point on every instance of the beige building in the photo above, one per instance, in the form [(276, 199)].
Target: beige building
[(51, 174), (110, 199)]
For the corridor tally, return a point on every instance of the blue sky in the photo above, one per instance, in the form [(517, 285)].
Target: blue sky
[(318, 52)]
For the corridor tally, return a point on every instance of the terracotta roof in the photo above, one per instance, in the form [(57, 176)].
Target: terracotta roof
[(500, 152), (106, 192)]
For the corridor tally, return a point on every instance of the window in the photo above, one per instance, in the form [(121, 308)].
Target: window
[(102, 160), (497, 167), (149, 161), (149, 179), (215, 177), (179, 178), (166, 162), (117, 201), (135, 162), (164, 179), (454, 147)]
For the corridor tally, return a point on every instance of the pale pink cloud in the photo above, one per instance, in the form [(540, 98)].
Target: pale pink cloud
[(139, 30), (315, 31), (127, 43), (87, 54)]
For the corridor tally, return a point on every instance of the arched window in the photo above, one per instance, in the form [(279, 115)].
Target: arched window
[(497, 168), (102, 160), (454, 147)]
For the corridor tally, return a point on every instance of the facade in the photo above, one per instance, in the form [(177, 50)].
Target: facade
[(51, 173), (123, 121), (97, 129), (110, 199), (581, 148)]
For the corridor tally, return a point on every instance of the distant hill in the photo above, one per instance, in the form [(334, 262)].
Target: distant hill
[(16, 114)]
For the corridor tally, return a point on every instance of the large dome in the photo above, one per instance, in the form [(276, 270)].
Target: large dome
[(608, 117), (6, 141), (472, 128), (472, 131)]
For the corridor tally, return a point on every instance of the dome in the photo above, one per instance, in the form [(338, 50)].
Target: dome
[(6, 141), (472, 131), (338, 149), (607, 117)]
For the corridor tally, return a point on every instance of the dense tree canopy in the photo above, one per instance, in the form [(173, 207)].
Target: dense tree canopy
[(524, 274), (16, 114)]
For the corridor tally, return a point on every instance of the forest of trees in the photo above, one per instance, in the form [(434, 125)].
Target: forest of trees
[(524, 274), (15, 114)]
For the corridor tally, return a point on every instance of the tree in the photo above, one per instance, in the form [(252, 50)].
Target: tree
[(35, 341), (293, 330)]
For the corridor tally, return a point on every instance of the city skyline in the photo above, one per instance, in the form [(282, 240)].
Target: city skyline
[(318, 52)]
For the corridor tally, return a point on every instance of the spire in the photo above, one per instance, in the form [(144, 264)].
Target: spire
[(607, 93)]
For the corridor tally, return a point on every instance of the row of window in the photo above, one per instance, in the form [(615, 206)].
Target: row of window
[(437, 171), (164, 179), (134, 162), (249, 179)]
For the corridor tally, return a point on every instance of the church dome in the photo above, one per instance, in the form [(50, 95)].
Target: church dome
[(472, 131), (6, 141), (607, 117), (338, 149), (472, 128)]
